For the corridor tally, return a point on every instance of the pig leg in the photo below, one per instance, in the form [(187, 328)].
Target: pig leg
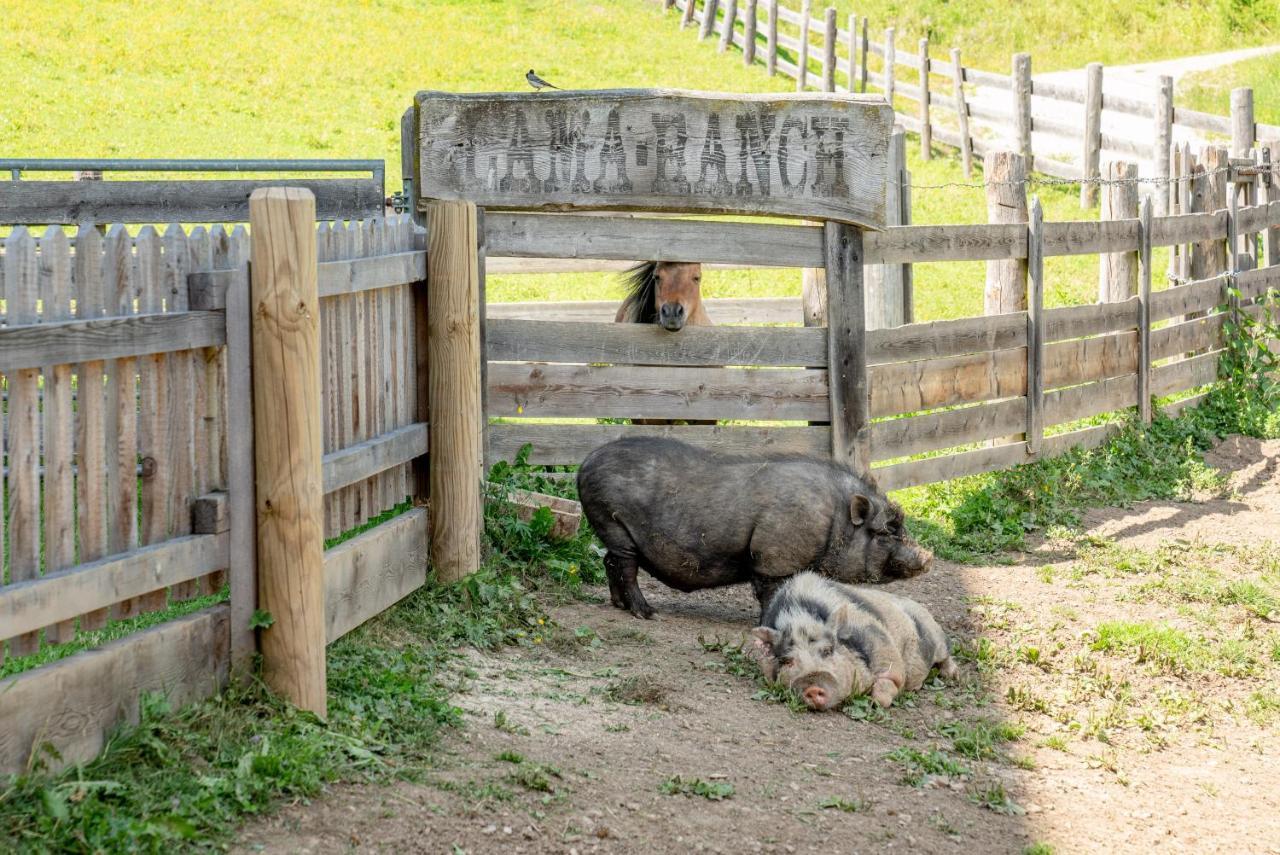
[(947, 669), (764, 587), (624, 588)]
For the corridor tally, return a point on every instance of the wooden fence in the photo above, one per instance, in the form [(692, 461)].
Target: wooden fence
[(129, 439), (820, 52)]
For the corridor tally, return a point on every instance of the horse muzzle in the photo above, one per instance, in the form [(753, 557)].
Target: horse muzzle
[(671, 316)]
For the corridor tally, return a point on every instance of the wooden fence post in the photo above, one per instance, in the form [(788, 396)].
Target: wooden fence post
[(771, 39), (1022, 106), (1118, 271), (726, 29), (457, 418), (1092, 135), (851, 70), (241, 490), (926, 133), (1242, 127), (1144, 312), (862, 58), (890, 59), (962, 112), (709, 9), (1270, 192), (287, 442), (687, 18), (1006, 179), (667, 4), (884, 282), (1035, 328), (829, 52), (847, 348), (1163, 115), (802, 60), (750, 22)]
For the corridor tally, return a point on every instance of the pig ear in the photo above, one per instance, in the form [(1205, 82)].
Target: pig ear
[(842, 616), (860, 508), (765, 638)]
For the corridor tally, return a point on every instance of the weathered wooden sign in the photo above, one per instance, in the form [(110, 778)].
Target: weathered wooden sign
[(819, 156)]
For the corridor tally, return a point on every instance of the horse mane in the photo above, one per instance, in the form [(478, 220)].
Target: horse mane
[(641, 283)]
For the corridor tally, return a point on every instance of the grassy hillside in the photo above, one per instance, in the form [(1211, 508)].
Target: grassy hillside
[(1210, 90), (296, 79)]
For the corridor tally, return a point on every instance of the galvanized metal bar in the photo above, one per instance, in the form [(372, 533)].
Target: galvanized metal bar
[(65, 164)]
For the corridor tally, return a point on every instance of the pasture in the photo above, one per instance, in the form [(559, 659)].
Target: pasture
[(307, 522)]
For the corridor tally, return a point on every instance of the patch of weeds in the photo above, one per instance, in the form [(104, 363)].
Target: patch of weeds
[(1022, 698), (568, 643), (980, 651), (993, 797), (714, 791), (977, 739), (844, 805), (537, 777), (617, 728), (740, 664), (1263, 706), (503, 722), (1024, 761), (1055, 741), (1173, 651), (1045, 574), (1038, 848), (476, 791), (862, 708), (510, 757), (634, 691), (631, 635), (920, 765)]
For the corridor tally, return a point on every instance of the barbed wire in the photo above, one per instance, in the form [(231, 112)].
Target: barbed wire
[(1049, 181)]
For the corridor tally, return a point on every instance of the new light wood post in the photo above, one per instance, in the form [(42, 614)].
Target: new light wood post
[(1006, 176), (962, 112), (1163, 140), (1092, 134), (1022, 105), (1118, 271), (926, 132), (457, 417), (287, 443)]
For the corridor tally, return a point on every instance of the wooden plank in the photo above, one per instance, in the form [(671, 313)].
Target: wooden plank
[(373, 571), (123, 338), (1200, 333), (59, 448), (847, 348), (347, 392), (907, 387), (1090, 399), (1201, 121), (1125, 104), (180, 416), (352, 275), (1093, 319), (242, 516), (211, 201), (569, 444), (1199, 296), (63, 594), (211, 514), (1035, 328), (329, 377), (1144, 312), (909, 244), (634, 238), (4, 520), (650, 344), (364, 460), (1057, 91), (91, 412), (1255, 218), (549, 391), (917, 434), (1253, 284), (987, 78), (153, 403), (1188, 228), (946, 338), (75, 704), (1185, 374), (1086, 237), (364, 409), (642, 156), (21, 276), (287, 445), (724, 311)]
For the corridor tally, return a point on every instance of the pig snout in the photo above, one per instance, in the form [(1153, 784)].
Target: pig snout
[(671, 316), (911, 560), (818, 691)]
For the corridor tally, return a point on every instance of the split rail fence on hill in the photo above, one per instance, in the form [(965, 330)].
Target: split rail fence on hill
[(822, 52)]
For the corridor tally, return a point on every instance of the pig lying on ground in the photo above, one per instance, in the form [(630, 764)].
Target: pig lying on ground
[(700, 519), (828, 641)]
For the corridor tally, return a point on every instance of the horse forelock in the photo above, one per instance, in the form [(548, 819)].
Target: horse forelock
[(641, 283)]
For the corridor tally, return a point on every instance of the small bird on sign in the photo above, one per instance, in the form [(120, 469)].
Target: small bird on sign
[(537, 82)]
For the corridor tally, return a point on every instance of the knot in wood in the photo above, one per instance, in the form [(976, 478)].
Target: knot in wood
[(148, 467)]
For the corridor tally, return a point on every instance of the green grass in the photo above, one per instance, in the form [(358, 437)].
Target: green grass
[(713, 791), (1171, 650), (1210, 91), (919, 765)]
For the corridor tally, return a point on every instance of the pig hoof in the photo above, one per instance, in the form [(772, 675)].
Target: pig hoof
[(883, 692), (641, 609), (947, 669)]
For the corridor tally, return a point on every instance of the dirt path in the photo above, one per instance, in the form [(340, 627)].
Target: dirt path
[(1116, 696)]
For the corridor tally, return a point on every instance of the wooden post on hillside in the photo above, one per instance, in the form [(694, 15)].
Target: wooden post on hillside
[(1269, 151), (709, 10), (1162, 142), (287, 443), (667, 4), (771, 39), (1242, 126), (750, 22), (1208, 194), (802, 59), (884, 282), (1006, 177), (1144, 312), (1022, 106), (457, 417), (1035, 328), (926, 133), (687, 18), (890, 59), (847, 348), (1091, 158), (851, 69), (862, 58), (726, 29), (1118, 271), (962, 112), (829, 51)]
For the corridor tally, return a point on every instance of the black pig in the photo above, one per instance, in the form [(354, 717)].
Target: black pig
[(700, 519)]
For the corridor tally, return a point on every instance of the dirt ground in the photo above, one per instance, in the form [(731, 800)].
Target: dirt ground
[(1160, 737)]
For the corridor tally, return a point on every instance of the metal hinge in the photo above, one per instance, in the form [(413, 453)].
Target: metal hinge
[(399, 202)]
